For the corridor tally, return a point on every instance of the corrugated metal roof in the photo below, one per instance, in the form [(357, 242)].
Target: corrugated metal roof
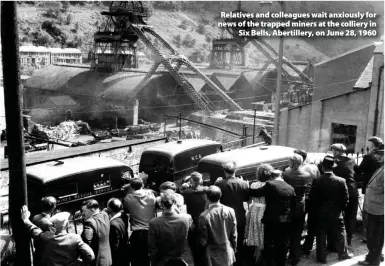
[(83, 82), (366, 77), (197, 83), (225, 82)]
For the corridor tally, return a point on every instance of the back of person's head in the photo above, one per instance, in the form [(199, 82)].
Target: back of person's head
[(302, 153), (115, 205), (296, 161), (60, 221), (168, 198), (136, 183), (167, 185), (230, 168), (376, 141), (214, 194), (197, 177), (276, 174), (91, 204), (264, 172), (48, 204)]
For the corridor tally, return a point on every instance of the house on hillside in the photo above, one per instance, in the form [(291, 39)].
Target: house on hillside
[(347, 105)]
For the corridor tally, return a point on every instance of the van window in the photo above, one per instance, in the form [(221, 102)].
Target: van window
[(191, 158), (104, 181), (152, 162), (211, 170)]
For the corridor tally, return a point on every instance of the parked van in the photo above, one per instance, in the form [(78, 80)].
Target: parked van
[(175, 160), (246, 160), (74, 180)]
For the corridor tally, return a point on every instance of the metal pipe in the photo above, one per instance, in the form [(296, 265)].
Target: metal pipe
[(14, 124), (255, 115), (279, 83), (376, 112), (49, 141), (180, 125)]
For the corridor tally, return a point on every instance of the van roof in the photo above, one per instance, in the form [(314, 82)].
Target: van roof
[(51, 171), (175, 147), (249, 156)]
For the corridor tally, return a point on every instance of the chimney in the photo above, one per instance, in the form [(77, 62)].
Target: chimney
[(136, 112)]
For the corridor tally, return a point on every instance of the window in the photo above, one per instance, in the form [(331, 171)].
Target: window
[(345, 134)]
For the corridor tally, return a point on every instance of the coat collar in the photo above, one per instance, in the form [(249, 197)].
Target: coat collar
[(119, 214)]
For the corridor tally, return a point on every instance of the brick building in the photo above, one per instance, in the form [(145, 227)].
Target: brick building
[(347, 106)]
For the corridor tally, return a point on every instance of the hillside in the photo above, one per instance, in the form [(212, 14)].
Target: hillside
[(190, 26)]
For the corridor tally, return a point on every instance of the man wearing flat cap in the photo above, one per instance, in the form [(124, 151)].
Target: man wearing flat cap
[(329, 198), (345, 169), (234, 194), (369, 165), (374, 207), (59, 247)]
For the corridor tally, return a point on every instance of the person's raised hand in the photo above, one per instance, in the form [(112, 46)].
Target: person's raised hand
[(25, 214)]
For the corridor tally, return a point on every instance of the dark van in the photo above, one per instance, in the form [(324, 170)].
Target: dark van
[(247, 160), (174, 161), (74, 180)]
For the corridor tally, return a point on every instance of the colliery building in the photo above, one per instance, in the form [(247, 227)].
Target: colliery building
[(98, 96)]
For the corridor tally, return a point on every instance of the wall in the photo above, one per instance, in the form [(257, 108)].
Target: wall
[(294, 127), (350, 109)]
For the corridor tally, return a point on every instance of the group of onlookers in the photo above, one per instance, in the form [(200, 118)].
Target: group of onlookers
[(213, 222)]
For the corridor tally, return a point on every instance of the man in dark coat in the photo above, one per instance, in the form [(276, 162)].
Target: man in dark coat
[(370, 163), (345, 169), (96, 231), (280, 205), (301, 181), (374, 207), (329, 198), (59, 247), (234, 194), (118, 233), (196, 202), (167, 234)]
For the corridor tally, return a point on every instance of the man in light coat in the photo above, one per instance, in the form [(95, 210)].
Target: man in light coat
[(217, 229)]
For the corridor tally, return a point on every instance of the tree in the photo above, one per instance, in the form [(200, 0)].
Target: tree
[(201, 29), (184, 25), (188, 41), (69, 19), (177, 40), (208, 39), (53, 8)]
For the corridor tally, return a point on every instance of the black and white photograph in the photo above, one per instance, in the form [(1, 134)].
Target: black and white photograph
[(192, 133)]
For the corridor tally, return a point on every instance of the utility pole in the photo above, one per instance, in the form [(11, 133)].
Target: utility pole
[(255, 115), (279, 84), (14, 123)]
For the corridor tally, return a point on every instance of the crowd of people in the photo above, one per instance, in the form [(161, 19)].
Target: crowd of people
[(231, 222)]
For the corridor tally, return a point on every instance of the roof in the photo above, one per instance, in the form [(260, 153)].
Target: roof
[(29, 48), (197, 83), (225, 82), (121, 86), (48, 172), (249, 156), (365, 79), (345, 54), (379, 48), (339, 75), (78, 81), (62, 100), (65, 50), (173, 148)]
